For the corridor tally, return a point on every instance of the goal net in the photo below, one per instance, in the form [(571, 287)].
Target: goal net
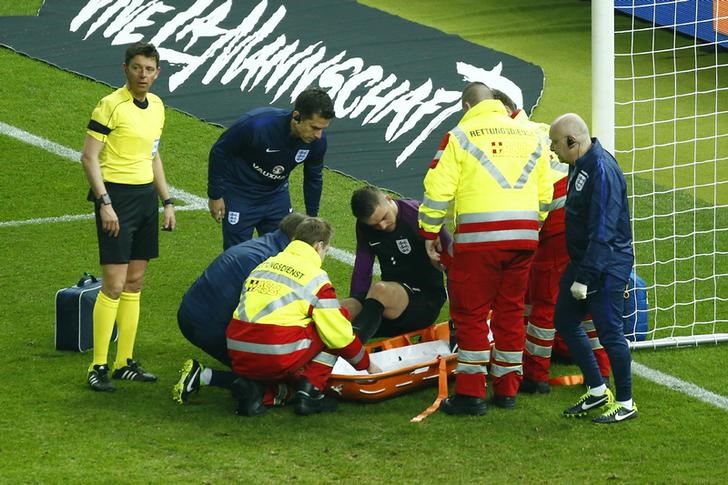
[(671, 139)]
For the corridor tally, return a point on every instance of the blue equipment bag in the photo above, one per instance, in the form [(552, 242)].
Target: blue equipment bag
[(75, 315), (636, 325)]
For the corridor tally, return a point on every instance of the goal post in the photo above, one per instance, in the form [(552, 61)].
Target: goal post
[(660, 98), (602, 49)]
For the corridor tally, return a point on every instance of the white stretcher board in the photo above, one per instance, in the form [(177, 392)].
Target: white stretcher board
[(398, 358)]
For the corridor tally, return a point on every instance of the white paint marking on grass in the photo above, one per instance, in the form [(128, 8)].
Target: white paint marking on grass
[(39, 142), (194, 202), (347, 258), (679, 385), (191, 201), (46, 220), (76, 217)]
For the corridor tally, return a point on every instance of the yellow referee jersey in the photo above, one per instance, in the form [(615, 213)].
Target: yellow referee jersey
[(130, 131)]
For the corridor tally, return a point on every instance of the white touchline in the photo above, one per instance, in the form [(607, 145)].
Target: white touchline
[(192, 202), (676, 384)]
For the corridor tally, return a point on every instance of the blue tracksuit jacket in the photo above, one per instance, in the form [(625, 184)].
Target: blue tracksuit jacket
[(598, 231), (255, 156)]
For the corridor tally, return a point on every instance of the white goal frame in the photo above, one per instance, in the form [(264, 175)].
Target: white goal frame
[(616, 90)]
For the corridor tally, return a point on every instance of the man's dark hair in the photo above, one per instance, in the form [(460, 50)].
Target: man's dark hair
[(314, 101), (290, 223), (141, 49), (364, 201), (313, 230), (505, 99)]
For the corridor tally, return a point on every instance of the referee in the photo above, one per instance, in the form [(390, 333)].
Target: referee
[(122, 164)]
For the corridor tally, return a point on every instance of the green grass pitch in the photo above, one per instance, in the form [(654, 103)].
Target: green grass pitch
[(55, 430)]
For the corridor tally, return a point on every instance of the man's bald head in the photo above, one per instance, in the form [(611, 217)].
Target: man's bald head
[(570, 124), (569, 137), (474, 93)]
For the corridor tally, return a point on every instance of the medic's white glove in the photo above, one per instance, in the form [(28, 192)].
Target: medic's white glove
[(578, 291)]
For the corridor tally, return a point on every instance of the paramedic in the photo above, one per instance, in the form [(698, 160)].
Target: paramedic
[(289, 326), (495, 171), (209, 303)]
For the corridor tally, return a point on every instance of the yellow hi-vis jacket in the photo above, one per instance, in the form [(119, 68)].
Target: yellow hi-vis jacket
[(495, 170), (292, 290), (559, 171)]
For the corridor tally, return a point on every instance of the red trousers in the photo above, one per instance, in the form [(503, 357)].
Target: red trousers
[(478, 282), (548, 266), (274, 354)]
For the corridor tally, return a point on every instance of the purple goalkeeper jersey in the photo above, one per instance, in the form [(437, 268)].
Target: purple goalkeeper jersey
[(401, 254)]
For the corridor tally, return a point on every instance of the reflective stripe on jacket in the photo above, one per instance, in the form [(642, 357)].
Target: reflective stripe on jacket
[(495, 170), (558, 174), (289, 291)]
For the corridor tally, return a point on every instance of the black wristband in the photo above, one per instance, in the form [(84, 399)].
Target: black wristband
[(104, 199), (167, 202)]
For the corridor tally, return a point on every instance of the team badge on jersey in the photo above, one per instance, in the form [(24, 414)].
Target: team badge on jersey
[(301, 155), (580, 181), (404, 246), (233, 217)]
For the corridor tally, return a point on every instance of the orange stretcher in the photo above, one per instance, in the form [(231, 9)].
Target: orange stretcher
[(409, 361)]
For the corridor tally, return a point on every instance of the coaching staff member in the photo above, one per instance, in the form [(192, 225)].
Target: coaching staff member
[(122, 164), (599, 240), (249, 165)]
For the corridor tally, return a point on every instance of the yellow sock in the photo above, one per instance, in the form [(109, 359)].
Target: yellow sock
[(127, 319), (105, 310)]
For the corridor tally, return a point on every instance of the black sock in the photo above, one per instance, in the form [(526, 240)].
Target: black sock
[(222, 378), (367, 322)]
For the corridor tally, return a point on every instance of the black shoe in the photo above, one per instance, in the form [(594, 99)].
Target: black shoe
[(98, 378), (310, 400), (459, 404), (189, 381), (532, 387), (249, 394), (587, 402), (615, 413), (504, 402), (132, 371)]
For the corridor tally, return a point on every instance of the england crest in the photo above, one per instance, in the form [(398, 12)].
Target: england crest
[(580, 181), (404, 246), (233, 217), (301, 155)]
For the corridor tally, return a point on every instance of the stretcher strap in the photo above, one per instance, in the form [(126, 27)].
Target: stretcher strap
[(441, 391), (567, 380)]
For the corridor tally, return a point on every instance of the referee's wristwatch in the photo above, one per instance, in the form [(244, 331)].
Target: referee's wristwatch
[(104, 199), (167, 202)]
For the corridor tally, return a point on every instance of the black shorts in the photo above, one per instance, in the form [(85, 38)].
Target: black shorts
[(138, 212), (422, 311)]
